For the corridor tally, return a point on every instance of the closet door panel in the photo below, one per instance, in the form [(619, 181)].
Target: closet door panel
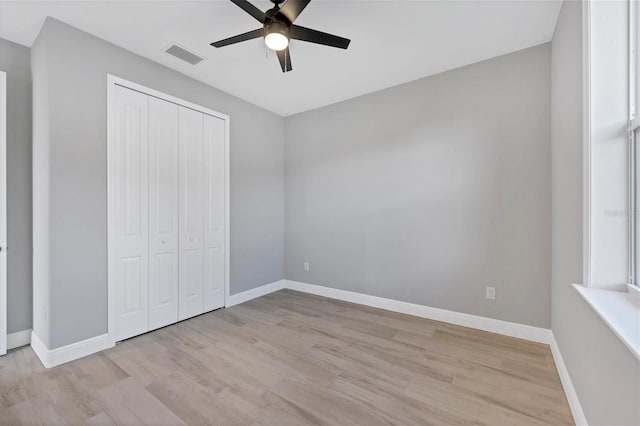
[(191, 287), (214, 212), (163, 213), (130, 169)]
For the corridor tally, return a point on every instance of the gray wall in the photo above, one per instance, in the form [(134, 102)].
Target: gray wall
[(15, 61), (76, 68), (430, 191), (40, 188), (605, 374)]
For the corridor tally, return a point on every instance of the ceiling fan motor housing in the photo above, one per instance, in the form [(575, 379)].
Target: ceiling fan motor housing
[(276, 27)]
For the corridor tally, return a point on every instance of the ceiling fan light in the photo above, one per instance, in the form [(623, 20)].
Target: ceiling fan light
[(276, 35), (276, 41)]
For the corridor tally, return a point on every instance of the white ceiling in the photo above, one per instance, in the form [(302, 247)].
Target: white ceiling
[(392, 41)]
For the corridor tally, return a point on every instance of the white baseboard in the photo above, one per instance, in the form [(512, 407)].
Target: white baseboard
[(572, 397), (521, 331), (19, 338), (245, 296), (52, 357)]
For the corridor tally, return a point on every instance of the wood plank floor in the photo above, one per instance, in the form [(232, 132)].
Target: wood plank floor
[(293, 359)]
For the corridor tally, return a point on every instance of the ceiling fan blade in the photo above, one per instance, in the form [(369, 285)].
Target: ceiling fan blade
[(293, 8), (318, 37), (284, 56), (241, 37), (251, 9)]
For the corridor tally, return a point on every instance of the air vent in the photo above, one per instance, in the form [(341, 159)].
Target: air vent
[(184, 54)]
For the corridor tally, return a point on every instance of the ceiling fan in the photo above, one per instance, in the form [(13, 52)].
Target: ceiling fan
[(278, 29)]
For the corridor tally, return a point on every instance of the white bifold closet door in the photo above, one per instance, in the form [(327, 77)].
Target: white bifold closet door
[(214, 210), (191, 213), (130, 226), (168, 195), (201, 212), (163, 213)]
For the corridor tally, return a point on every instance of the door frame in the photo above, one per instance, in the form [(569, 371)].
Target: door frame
[(112, 82), (4, 317)]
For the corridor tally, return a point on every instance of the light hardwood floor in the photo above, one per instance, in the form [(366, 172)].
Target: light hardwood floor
[(293, 359)]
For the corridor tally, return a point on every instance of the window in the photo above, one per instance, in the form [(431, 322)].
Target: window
[(612, 167)]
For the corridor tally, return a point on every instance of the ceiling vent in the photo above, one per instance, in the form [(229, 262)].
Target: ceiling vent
[(184, 54)]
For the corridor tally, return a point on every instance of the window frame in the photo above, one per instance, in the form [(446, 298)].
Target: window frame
[(634, 139)]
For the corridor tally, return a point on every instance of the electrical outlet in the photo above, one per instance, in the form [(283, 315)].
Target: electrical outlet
[(306, 266), (490, 293)]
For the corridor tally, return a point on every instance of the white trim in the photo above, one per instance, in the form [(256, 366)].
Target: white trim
[(572, 397), (586, 143), (53, 357), (110, 214), (18, 339), (634, 123), (633, 59), (227, 212), (620, 311), (633, 290), (245, 296), (3, 213), (521, 331), (112, 82)]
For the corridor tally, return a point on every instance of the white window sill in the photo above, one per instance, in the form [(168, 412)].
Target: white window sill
[(620, 310)]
